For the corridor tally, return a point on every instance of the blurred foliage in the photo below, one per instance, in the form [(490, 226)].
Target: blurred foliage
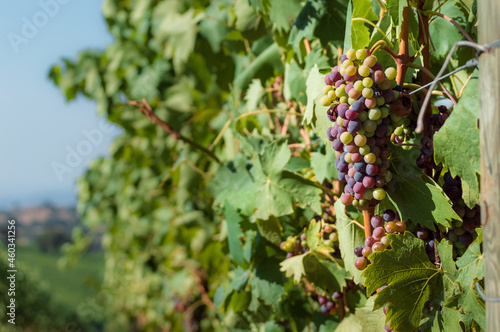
[(192, 239)]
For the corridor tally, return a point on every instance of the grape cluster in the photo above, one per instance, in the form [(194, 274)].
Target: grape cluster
[(358, 93), (426, 157), (388, 223), (297, 245), (329, 304), (462, 234)]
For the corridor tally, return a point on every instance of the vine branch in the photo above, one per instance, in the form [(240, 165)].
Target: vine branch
[(146, 109)]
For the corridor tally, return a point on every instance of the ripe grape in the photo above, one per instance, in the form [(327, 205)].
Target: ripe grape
[(377, 221), (361, 263)]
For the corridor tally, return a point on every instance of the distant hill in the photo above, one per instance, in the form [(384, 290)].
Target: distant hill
[(48, 226)]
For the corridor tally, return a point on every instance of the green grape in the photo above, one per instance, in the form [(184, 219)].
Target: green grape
[(398, 131), (360, 140), (343, 99), (327, 88), (385, 112), (364, 150), (374, 114), (340, 91), (325, 101), (358, 85), (380, 101), (363, 116), (367, 92), (391, 73), (348, 156), (351, 70), (346, 137), (347, 63), (370, 158), (340, 121), (351, 54), (379, 194), (367, 82), (370, 61), (370, 125), (364, 70), (361, 54), (350, 101)]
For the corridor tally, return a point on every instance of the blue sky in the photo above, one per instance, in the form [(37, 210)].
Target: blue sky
[(37, 126)]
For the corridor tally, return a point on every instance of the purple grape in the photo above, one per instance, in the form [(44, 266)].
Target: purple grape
[(358, 251), (389, 215), (337, 145), (359, 188), (368, 182), (377, 221), (358, 177), (372, 169)]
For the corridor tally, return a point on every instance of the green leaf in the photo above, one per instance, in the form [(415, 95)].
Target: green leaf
[(282, 11), (351, 323), (293, 267), (315, 114), (360, 33), (369, 319), (313, 234), (456, 144), (278, 189), (266, 284), (246, 18), (444, 34), (324, 164), (395, 8), (271, 230), (323, 19), (471, 268), (410, 190), (351, 235), (445, 251), (411, 279), (446, 319), (234, 233), (348, 27), (254, 95), (235, 177), (326, 273)]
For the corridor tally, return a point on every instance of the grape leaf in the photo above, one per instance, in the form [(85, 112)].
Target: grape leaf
[(323, 19), (313, 234), (326, 273), (457, 143), (444, 34), (270, 229), (369, 319), (266, 283), (278, 189), (254, 95), (234, 233), (351, 235), (411, 280), (315, 114), (323, 164), (351, 323), (471, 267), (235, 177), (360, 33), (293, 267), (410, 190), (445, 319), (281, 11), (395, 8)]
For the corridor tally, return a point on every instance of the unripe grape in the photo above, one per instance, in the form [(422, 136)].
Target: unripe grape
[(327, 88), (378, 233), (367, 92), (325, 101), (351, 54), (367, 251), (346, 138), (361, 263), (360, 140), (374, 114), (361, 54), (367, 82), (358, 85), (347, 63), (370, 61), (370, 158), (385, 241), (391, 227), (378, 246), (379, 194), (364, 70), (364, 150), (371, 102), (331, 94), (351, 70), (391, 73)]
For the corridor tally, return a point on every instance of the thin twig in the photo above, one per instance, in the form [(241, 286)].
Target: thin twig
[(428, 73), (307, 45), (452, 21), (145, 108)]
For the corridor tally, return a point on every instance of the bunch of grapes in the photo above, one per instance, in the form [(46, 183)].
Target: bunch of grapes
[(329, 304), (358, 93), (462, 234), (388, 223), (426, 157), (297, 245)]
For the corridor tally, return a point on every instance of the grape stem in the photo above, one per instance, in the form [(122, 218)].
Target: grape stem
[(367, 216)]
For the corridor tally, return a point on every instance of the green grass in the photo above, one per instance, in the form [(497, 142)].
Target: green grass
[(72, 286)]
